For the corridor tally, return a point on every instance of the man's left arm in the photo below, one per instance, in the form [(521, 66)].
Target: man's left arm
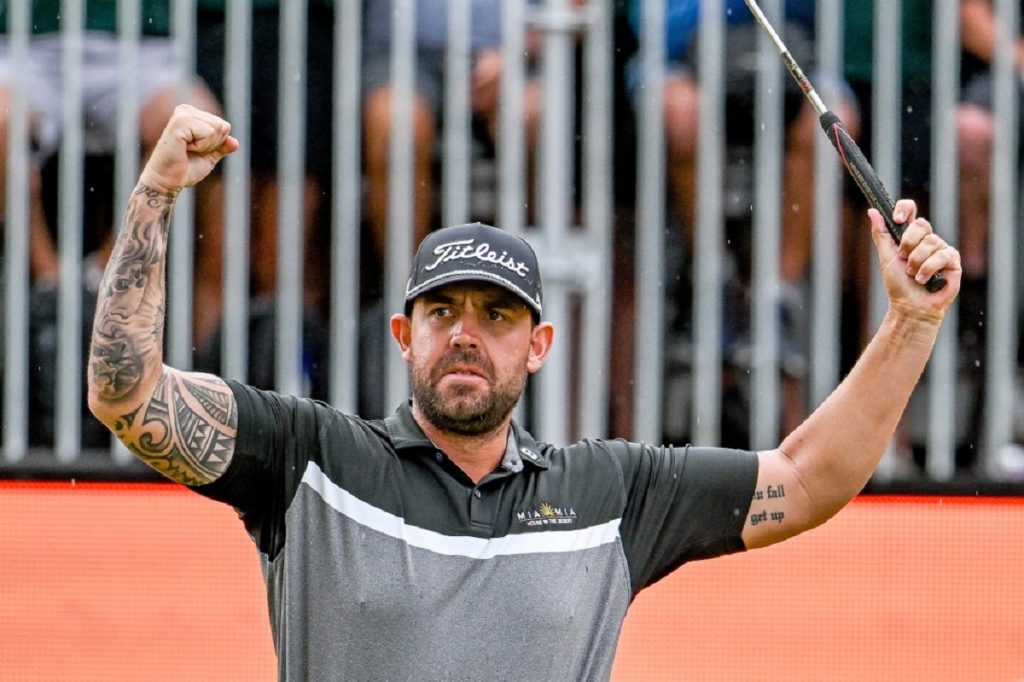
[(829, 458)]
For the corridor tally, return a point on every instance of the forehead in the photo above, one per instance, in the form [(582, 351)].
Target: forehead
[(476, 291)]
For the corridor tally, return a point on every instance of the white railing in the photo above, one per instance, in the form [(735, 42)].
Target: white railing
[(675, 383)]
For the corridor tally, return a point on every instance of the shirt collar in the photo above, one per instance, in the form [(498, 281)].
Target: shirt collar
[(406, 434)]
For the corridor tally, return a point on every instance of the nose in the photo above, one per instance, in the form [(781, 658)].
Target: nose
[(465, 332)]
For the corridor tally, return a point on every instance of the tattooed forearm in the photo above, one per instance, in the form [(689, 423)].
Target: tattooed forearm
[(127, 333), (186, 430)]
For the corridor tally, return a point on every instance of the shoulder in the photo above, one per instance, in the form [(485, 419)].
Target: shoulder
[(262, 411)]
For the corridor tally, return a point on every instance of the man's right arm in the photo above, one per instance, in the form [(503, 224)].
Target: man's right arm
[(183, 424)]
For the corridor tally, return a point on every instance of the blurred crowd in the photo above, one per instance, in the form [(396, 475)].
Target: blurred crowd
[(158, 89)]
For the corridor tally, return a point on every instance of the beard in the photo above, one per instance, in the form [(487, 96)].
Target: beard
[(466, 411)]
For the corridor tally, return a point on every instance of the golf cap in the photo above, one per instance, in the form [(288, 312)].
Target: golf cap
[(475, 251)]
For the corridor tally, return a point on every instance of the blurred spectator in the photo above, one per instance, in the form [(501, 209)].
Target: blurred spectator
[(915, 112), (682, 108), (431, 42), (264, 76), (976, 137), (157, 90), (681, 112), (975, 128)]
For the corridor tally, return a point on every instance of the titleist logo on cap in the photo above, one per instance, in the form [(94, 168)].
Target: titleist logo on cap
[(466, 248)]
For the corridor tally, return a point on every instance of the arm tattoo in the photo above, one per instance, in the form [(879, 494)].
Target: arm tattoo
[(763, 499), (127, 334), (187, 428), (182, 424)]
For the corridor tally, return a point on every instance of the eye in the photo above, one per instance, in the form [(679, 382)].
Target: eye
[(496, 315), (438, 311)]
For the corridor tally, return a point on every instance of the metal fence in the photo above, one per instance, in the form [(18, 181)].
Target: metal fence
[(607, 243)]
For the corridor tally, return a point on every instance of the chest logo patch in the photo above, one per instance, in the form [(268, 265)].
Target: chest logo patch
[(547, 514)]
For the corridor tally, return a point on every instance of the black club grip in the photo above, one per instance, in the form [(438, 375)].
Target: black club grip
[(866, 178)]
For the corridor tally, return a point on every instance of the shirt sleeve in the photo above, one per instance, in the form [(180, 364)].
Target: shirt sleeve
[(277, 436), (683, 504)]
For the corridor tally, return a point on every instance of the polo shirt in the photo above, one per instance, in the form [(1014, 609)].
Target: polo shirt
[(383, 560)]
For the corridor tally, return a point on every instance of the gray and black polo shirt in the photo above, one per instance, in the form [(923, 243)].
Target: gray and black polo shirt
[(384, 561)]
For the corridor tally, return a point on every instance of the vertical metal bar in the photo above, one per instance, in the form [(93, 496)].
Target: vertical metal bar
[(346, 212), (234, 350), (887, 97), (555, 171), (650, 229), (554, 189), (511, 145), (400, 181), (126, 150), (456, 161), (597, 194), (828, 212), (710, 230), (16, 262), (555, 177), (768, 153), (68, 407), (511, 148), (887, 122), (1001, 343), (940, 463), (291, 180), (126, 153), (181, 248)]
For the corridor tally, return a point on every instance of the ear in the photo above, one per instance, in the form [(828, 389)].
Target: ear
[(401, 331), (540, 345)]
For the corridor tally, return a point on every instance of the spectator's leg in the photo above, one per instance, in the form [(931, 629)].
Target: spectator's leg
[(798, 186), (377, 139), (975, 129), (682, 111), (263, 238), (43, 260), (488, 110), (798, 229)]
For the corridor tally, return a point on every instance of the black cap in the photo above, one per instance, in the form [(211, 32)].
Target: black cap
[(476, 252)]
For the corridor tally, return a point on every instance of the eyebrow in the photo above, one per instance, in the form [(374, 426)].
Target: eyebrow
[(498, 299)]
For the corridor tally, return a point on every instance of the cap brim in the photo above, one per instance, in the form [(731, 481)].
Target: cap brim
[(472, 276)]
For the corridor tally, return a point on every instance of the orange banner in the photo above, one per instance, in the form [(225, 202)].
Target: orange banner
[(131, 582)]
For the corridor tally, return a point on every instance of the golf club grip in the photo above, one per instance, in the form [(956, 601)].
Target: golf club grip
[(866, 178)]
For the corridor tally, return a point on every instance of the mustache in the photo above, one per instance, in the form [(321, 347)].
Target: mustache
[(462, 357)]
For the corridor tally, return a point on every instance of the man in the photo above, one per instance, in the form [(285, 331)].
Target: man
[(445, 541)]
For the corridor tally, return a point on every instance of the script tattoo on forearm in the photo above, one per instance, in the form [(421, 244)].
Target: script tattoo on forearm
[(187, 429), (128, 331), (772, 492)]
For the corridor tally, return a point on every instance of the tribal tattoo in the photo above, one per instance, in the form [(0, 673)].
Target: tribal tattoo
[(184, 427), (187, 430)]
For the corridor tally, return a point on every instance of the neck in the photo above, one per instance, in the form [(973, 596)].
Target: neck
[(477, 455)]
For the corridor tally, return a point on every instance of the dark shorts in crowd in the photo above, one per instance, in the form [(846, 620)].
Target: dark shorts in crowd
[(979, 91), (211, 38), (429, 78), (916, 126)]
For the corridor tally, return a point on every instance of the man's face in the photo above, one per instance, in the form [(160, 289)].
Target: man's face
[(470, 347)]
